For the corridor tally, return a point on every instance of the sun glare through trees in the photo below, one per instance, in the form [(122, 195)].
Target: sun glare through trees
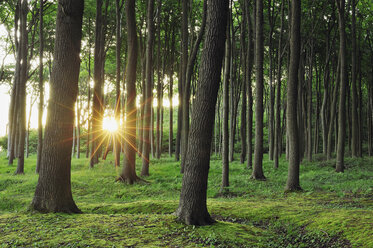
[(153, 117)]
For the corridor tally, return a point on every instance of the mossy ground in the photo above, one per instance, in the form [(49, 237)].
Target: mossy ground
[(334, 210)]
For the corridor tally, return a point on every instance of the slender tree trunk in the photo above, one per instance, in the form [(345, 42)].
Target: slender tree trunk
[(129, 160), (79, 107), (333, 112), (41, 87), (243, 129), (343, 85), (192, 208), (185, 88), (278, 134), (249, 67), (13, 99), (225, 128), (259, 53), (53, 191), (159, 84), (354, 106), (188, 81), (148, 91), (22, 88), (98, 84), (309, 104), (117, 138), (292, 183)]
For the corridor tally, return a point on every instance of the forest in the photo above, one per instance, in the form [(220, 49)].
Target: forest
[(192, 123)]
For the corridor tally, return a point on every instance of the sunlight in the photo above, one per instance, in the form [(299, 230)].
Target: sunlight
[(110, 124)]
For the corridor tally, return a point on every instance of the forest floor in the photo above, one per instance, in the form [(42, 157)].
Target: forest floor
[(333, 210)]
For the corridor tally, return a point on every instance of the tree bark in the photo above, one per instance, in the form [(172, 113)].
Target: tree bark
[(192, 206), (259, 53), (225, 128), (22, 88), (354, 106), (98, 77), (292, 183), (117, 137), (188, 81), (278, 134), (53, 191), (148, 91), (343, 85), (41, 87), (249, 67), (129, 160)]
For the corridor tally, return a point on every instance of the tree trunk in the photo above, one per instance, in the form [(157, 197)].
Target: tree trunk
[(148, 91), (98, 78), (14, 97), (225, 128), (185, 88), (343, 85), (188, 80), (354, 106), (333, 112), (53, 191), (249, 67), (278, 134), (259, 53), (117, 138), (22, 88), (192, 206), (309, 104), (159, 84), (129, 160), (41, 87), (244, 95), (292, 183)]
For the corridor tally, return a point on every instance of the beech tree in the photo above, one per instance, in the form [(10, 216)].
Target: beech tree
[(292, 183), (192, 208), (53, 191), (342, 92), (259, 53), (129, 161)]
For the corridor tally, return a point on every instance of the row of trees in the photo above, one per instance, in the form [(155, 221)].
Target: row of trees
[(302, 116)]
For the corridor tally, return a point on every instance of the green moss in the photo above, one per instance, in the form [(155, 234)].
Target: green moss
[(334, 210)]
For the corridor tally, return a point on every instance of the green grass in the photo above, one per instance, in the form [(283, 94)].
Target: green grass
[(334, 210)]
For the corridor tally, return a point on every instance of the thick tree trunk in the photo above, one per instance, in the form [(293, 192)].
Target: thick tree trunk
[(148, 91), (192, 206), (53, 191), (259, 53), (343, 86), (292, 183)]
